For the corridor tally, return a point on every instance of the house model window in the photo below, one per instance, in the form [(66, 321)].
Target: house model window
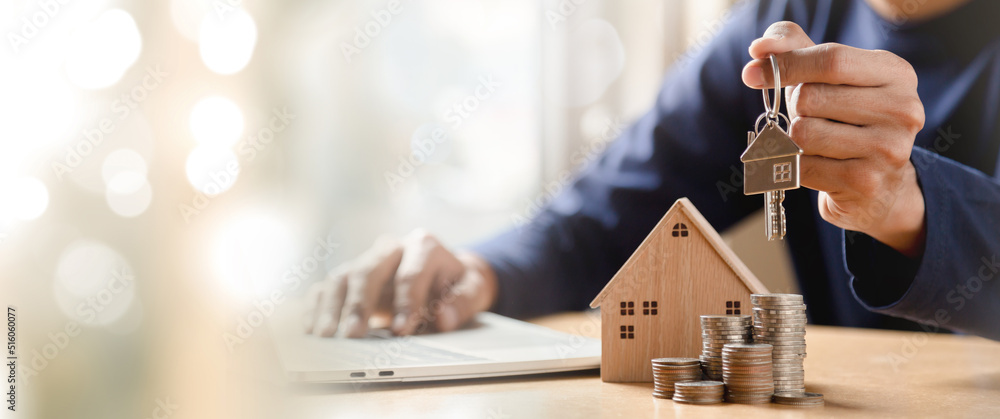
[(783, 172), (680, 230), (649, 308), (732, 307), (628, 308), (627, 332)]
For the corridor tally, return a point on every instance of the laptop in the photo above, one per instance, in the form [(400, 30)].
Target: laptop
[(490, 346)]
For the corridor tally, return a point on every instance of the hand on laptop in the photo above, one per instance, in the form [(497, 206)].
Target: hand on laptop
[(417, 281)]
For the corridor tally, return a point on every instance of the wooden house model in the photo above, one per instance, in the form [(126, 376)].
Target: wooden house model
[(651, 307), (770, 162)]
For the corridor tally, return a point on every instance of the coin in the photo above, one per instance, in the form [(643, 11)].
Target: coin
[(798, 398), (674, 361)]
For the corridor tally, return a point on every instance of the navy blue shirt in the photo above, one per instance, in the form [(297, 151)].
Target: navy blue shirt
[(689, 143)]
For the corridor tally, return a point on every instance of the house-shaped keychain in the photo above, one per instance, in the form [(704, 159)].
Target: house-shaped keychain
[(770, 162), (651, 308)]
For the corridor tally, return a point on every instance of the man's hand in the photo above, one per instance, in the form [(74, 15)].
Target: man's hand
[(855, 113), (415, 280)]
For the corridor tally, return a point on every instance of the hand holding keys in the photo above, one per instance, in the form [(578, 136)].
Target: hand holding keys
[(771, 160)]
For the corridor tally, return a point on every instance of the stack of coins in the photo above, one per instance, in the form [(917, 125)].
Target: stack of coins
[(667, 371), (797, 399), (717, 331), (780, 320), (746, 370), (698, 392)]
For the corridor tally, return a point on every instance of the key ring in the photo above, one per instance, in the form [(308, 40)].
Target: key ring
[(772, 112), (763, 116)]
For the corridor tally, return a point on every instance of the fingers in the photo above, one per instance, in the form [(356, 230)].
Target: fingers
[(312, 304), (833, 64), (778, 38), (825, 174), (322, 302), (330, 305), (371, 273), (851, 183), (853, 105), (835, 140), (422, 264), (461, 301), (418, 278)]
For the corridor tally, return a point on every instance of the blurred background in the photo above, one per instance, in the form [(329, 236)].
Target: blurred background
[(167, 165)]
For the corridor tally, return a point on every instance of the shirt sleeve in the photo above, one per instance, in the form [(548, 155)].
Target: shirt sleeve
[(953, 285), (688, 145)]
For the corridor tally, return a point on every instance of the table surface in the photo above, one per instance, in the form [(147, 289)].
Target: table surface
[(861, 372)]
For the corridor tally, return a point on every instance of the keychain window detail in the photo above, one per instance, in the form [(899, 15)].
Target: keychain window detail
[(782, 172), (679, 230)]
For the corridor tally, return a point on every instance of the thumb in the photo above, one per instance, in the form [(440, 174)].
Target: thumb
[(779, 38), (459, 303)]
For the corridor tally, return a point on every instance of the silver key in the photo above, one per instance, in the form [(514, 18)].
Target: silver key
[(771, 161)]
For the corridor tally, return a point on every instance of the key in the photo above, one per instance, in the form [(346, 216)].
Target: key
[(771, 161)]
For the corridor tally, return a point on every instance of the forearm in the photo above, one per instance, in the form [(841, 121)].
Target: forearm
[(952, 285)]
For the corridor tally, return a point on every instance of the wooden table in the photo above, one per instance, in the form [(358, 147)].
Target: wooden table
[(862, 373)]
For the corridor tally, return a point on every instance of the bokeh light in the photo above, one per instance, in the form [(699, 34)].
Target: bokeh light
[(212, 169), (129, 194), (102, 50), (187, 16), (127, 190), (226, 41), (24, 198), (94, 284), (122, 160), (217, 121), (38, 110), (597, 57), (251, 254)]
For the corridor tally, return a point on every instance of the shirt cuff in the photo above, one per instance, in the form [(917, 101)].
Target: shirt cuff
[(884, 280), (882, 275)]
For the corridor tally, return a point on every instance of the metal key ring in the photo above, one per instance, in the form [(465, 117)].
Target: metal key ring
[(756, 125), (772, 112)]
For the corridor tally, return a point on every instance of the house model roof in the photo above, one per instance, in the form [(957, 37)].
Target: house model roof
[(702, 225), (770, 143)]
